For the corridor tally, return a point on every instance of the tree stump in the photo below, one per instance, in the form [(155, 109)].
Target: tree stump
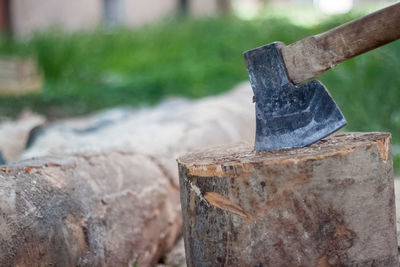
[(330, 204)]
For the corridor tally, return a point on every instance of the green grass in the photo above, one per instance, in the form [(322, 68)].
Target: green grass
[(193, 58), (90, 71)]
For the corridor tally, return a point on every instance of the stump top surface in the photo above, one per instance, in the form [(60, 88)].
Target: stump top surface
[(336, 144)]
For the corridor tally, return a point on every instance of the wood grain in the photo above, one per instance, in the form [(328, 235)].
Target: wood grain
[(310, 57), (330, 204)]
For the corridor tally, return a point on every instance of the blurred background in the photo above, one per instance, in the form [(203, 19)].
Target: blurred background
[(67, 58)]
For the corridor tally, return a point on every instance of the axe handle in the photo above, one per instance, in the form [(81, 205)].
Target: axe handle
[(310, 57)]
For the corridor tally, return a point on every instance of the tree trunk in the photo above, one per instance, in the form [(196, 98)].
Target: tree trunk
[(330, 204), (108, 209)]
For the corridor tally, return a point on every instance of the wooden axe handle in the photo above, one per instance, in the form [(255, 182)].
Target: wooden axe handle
[(310, 57)]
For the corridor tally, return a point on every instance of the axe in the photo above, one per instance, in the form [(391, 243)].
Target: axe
[(291, 113)]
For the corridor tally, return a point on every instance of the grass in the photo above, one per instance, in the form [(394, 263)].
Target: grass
[(193, 58)]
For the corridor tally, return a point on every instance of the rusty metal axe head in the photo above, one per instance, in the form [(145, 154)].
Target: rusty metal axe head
[(288, 115)]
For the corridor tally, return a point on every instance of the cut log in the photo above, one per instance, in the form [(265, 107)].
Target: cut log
[(330, 204), (165, 131), (108, 209)]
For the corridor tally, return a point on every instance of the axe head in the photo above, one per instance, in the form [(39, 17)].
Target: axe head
[(288, 115)]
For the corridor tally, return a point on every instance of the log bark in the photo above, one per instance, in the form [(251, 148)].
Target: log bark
[(165, 131), (96, 208), (107, 209), (330, 204)]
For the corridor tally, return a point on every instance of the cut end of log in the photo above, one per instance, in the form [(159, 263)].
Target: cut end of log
[(220, 161)]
